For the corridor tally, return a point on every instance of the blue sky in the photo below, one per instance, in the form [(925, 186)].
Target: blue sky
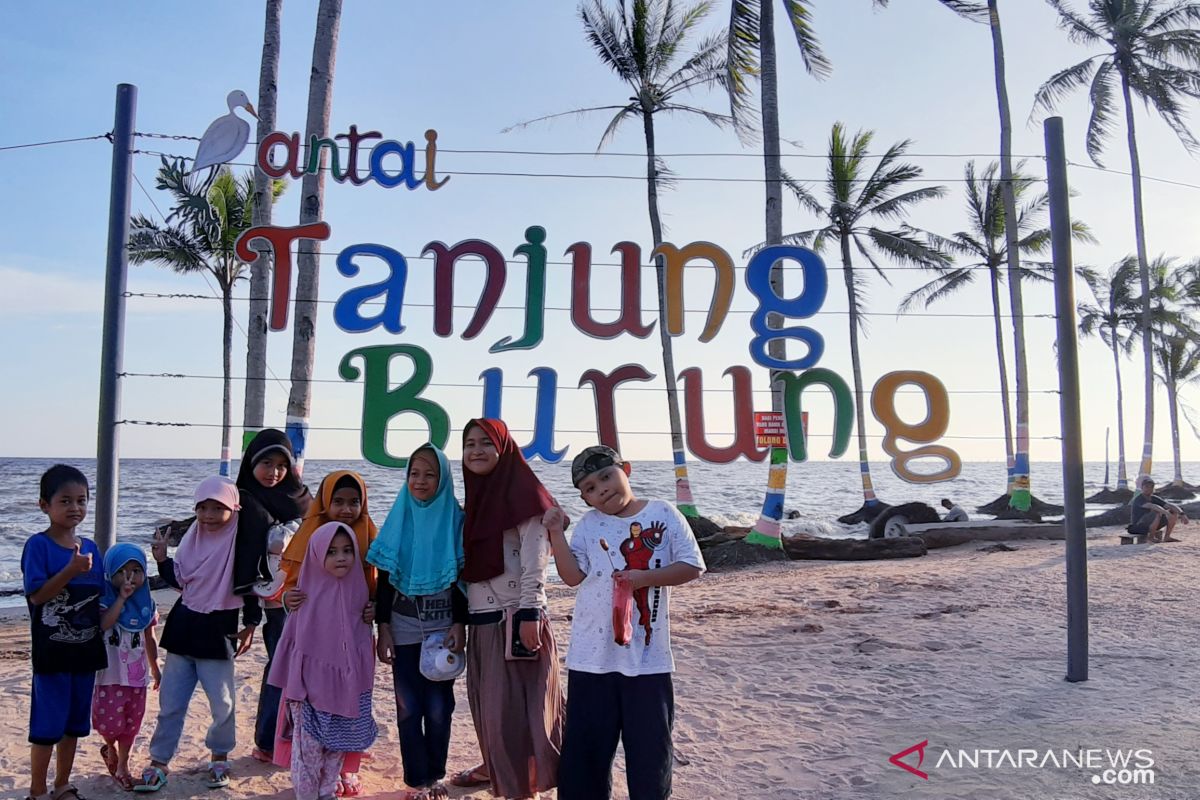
[(915, 71)]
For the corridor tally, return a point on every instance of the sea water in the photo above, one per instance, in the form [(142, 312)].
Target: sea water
[(152, 490)]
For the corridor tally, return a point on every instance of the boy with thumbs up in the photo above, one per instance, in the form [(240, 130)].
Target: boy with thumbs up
[(63, 576)]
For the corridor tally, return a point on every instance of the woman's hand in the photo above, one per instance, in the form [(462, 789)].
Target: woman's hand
[(368, 615), (456, 638), (384, 647), (155, 673), (293, 599), (529, 635), (245, 638)]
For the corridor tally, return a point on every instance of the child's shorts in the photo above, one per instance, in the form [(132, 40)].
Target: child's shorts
[(61, 704), (117, 712)]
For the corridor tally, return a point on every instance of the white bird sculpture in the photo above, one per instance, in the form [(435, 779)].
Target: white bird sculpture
[(226, 137)]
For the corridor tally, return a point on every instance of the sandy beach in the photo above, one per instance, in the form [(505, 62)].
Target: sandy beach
[(800, 679)]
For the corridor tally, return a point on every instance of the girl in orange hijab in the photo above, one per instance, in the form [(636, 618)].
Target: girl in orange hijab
[(342, 498)]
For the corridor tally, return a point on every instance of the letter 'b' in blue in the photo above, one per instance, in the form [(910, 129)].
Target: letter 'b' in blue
[(810, 300)]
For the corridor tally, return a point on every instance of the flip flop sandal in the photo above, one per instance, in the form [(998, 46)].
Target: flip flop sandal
[(62, 791), (349, 785), (153, 779), (218, 774), (110, 760), (124, 780), (470, 778)]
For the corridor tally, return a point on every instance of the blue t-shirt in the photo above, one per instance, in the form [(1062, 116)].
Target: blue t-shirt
[(66, 628)]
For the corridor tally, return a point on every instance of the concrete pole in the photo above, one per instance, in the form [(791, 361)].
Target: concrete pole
[(1068, 382), (113, 344)]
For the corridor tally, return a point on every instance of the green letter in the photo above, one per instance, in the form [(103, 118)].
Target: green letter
[(381, 404)]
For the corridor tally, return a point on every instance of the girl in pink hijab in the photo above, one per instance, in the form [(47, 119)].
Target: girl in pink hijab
[(325, 664), (201, 636)]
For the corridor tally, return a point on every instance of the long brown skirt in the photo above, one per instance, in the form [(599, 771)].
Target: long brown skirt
[(517, 707)]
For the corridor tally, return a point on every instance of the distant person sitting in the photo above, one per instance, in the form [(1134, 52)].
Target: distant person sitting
[(1153, 517), (954, 513)]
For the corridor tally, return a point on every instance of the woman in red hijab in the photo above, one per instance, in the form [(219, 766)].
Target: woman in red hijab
[(512, 662)]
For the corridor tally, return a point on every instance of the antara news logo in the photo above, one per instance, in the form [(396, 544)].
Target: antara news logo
[(1107, 766)]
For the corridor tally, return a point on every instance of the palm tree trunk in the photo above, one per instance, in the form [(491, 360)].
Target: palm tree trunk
[(1173, 409), (1005, 409), (1139, 229), (260, 271), (312, 188), (683, 489), (1019, 494), (1122, 478), (766, 530), (864, 465), (226, 370)]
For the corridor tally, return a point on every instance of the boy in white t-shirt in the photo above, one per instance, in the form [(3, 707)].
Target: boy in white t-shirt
[(620, 691)]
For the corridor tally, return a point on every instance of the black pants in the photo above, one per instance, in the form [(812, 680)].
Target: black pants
[(268, 695), (601, 709)]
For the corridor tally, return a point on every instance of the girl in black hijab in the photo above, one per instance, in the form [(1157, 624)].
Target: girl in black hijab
[(269, 487)]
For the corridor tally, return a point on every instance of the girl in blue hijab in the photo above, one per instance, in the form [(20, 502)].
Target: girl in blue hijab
[(419, 554), (127, 616)]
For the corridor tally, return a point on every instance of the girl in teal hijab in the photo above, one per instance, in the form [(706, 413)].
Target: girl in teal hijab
[(420, 543), (419, 554)]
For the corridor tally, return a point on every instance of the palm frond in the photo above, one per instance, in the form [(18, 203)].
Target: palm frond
[(1078, 29), (903, 245), (975, 12), (937, 289), (603, 29), (170, 245), (800, 17), (578, 112), (1061, 84), (806, 198), (1100, 123)]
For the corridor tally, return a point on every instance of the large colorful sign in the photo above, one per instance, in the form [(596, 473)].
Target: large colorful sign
[(383, 402)]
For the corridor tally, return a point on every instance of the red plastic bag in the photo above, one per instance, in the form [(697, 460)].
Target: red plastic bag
[(622, 610)]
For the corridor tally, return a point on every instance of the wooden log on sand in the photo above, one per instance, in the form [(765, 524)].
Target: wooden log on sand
[(948, 534), (804, 547)]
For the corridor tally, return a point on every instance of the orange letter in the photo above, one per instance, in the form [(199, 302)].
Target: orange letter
[(930, 429), (676, 260)]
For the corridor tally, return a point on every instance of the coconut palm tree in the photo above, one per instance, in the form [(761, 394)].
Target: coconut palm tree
[(312, 199), (1177, 351), (1115, 318), (863, 193), (751, 52), (984, 246), (648, 45), (1151, 51), (198, 236), (1170, 289), (1019, 496), (260, 271)]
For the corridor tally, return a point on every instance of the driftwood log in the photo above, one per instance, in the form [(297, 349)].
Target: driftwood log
[(948, 534), (816, 548)]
